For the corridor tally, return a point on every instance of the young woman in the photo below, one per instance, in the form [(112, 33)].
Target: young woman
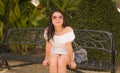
[(59, 37)]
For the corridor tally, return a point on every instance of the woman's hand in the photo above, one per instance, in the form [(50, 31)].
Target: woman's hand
[(72, 65), (46, 62)]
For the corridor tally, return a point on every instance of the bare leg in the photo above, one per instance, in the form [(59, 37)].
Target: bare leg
[(62, 62), (53, 63)]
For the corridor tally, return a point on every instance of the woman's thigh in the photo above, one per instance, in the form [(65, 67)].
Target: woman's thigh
[(64, 59), (54, 58)]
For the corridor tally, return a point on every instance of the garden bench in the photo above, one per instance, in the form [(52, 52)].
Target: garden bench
[(99, 45)]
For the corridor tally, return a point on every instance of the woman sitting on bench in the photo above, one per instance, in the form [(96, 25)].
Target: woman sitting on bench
[(59, 36)]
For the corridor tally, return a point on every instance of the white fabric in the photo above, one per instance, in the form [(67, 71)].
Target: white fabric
[(59, 41)]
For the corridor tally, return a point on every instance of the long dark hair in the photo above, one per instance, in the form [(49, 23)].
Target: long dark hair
[(51, 29)]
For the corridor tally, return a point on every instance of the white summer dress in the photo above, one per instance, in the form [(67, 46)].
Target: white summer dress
[(59, 41)]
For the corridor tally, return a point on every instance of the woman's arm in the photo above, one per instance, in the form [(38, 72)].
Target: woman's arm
[(70, 51), (72, 63), (48, 44), (47, 52)]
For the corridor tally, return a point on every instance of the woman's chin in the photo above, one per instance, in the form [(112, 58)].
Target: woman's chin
[(56, 25)]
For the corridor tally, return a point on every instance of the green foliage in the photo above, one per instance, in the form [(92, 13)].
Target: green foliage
[(98, 15), (22, 14), (98, 55), (1, 31), (67, 5), (37, 15), (19, 14), (2, 8), (22, 49)]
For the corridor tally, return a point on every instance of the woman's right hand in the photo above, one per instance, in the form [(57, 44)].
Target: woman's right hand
[(45, 62), (72, 65)]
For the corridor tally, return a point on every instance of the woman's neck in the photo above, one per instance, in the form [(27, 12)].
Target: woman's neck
[(58, 29)]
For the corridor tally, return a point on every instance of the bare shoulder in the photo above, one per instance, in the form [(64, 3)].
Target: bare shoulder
[(46, 29), (68, 29)]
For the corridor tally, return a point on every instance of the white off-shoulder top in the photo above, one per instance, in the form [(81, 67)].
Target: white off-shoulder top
[(59, 41)]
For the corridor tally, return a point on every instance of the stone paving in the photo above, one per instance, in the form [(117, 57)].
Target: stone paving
[(38, 68)]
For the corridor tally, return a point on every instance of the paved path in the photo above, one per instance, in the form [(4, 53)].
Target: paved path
[(37, 68)]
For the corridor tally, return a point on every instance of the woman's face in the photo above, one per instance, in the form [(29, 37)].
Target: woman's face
[(57, 19)]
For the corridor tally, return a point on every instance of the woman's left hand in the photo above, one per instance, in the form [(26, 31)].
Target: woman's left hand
[(45, 62), (72, 65)]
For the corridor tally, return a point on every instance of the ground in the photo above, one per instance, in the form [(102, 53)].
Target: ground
[(38, 68)]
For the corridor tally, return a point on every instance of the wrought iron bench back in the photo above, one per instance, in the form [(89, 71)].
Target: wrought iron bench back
[(94, 39), (24, 36)]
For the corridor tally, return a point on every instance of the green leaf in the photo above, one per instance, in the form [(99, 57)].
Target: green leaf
[(77, 2), (34, 23), (71, 8), (39, 17), (65, 3), (34, 12), (70, 2), (1, 31), (24, 21), (12, 17), (39, 14), (16, 1), (17, 11), (43, 10), (18, 24), (2, 8), (56, 3)]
